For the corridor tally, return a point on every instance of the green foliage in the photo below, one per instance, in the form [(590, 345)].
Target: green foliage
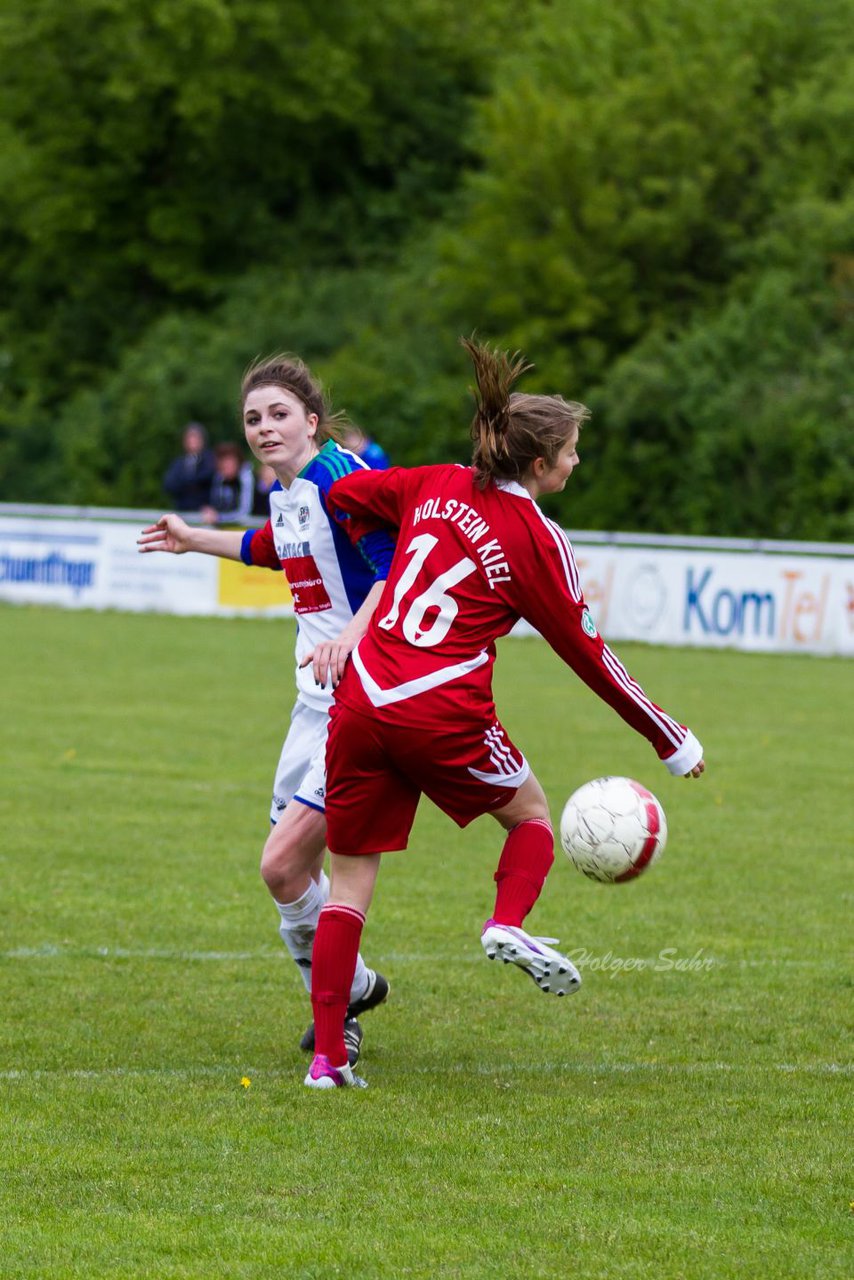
[(653, 200), (665, 211), (630, 158), (115, 440), (155, 150), (742, 425)]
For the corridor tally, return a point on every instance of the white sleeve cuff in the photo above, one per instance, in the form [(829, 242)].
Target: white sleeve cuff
[(685, 757)]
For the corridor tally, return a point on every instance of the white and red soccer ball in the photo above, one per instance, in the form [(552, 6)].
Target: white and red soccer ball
[(612, 829)]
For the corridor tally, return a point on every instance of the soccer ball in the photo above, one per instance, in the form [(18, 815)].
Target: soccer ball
[(612, 829)]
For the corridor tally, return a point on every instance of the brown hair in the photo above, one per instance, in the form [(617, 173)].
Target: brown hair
[(228, 450), (511, 429), (294, 375)]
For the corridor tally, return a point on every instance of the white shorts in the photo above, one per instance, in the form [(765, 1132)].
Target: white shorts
[(301, 772)]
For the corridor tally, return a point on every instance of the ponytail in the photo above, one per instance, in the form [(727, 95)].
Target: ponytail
[(495, 374), (509, 429)]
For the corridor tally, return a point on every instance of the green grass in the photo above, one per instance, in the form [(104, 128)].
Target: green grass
[(663, 1123)]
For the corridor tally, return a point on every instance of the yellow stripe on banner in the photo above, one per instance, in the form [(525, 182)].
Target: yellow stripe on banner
[(246, 587)]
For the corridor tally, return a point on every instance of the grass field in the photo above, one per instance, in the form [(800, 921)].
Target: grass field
[(686, 1119)]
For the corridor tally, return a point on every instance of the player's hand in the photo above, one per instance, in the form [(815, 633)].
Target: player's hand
[(328, 661), (696, 771), (169, 533)]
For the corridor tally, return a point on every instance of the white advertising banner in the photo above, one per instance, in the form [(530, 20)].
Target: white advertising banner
[(755, 600), (744, 600), (96, 565)]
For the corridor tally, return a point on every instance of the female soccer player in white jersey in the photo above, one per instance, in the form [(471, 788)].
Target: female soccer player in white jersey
[(414, 711), (335, 586)]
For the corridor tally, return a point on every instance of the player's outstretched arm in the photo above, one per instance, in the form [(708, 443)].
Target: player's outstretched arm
[(172, 534), (559, 612)]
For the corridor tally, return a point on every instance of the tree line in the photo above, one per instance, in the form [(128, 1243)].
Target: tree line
[(653, 200)]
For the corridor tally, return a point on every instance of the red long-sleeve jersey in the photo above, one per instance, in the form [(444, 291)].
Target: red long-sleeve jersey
[(469, 563)]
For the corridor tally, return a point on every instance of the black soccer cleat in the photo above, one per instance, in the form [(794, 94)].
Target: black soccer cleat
[(377, 992), (352, 1040)]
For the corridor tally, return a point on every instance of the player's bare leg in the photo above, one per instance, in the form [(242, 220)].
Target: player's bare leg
[(525, 862), (353, 880), (529, 802), (294, 851)]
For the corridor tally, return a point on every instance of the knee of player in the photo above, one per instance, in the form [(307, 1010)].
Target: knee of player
[(529, 804), (533, 799), (279, 856)]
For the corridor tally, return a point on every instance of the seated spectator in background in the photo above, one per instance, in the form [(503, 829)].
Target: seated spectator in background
[(232, 488), (365, 448), (264, 481), (188, 478)]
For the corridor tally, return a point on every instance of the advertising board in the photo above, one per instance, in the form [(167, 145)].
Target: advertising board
[(659, 591)]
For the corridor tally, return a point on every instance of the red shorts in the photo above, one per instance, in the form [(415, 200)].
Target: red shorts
[(376, 772)]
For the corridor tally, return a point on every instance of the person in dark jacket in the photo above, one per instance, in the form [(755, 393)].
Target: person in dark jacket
[(188, 478), (232, 488)]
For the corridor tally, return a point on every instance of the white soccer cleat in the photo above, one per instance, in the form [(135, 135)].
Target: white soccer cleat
[(550, 970), (322, 1075)]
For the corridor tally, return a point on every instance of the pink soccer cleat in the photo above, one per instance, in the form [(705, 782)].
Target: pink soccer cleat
[(322, 1075)]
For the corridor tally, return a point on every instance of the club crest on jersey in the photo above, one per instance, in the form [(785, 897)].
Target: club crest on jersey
[(303, 516), (588, 626)]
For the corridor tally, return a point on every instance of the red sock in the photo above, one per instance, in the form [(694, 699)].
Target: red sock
[(333, 963), (527, 855)]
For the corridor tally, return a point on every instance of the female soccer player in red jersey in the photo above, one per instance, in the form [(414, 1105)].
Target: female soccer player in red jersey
[(335, 586), (414, 711)]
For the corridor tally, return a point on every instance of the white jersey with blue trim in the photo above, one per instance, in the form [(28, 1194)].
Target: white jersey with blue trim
[(329, 577)]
